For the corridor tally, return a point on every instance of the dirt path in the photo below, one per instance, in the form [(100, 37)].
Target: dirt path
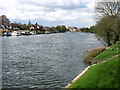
[(106, 59)]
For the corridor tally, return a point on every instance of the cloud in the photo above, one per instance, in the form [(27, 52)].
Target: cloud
[(54, 11)]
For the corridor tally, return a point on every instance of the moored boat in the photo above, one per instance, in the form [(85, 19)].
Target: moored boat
[(15, 33), (25, 33), (6, 34), (47, 32), (33, 33)]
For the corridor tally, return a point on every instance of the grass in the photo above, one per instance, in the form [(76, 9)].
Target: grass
[(111, 51), (103, 75)]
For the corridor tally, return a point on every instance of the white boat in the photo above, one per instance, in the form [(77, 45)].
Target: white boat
[(25, 33), (32, 33), (6, 34), (15, 33), (47, 32)]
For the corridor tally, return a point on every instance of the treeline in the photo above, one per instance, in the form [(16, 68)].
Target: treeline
[(59, 29), (38, 28), (88, 30)]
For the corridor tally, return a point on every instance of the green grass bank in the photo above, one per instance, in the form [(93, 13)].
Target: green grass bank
[(104, 74)]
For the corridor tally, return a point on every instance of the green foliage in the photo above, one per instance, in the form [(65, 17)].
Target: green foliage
[(108, 21), (92, 29), (88, 30), (61, 28), (107, 28), (104, 75), (23, 26), (53, 30)]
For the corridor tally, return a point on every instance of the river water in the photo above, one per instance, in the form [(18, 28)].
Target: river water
[(44, 61)]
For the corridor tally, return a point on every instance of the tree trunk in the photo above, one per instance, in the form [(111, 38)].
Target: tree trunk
[(108, 38), (116, 38)]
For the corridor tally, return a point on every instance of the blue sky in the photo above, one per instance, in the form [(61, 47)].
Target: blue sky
[(79, 13)]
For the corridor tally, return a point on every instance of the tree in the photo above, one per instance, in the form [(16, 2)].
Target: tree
[(111, 8), (108, 21), (61, 28), (106, 28), (23, 26), (84, 29), (53, 30)]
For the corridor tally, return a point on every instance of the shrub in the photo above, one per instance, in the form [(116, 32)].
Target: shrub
[(93, 53)]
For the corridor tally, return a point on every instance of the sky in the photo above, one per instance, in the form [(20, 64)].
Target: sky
[(78, 13)]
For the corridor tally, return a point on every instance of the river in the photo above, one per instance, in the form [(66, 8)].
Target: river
[(46, 60)]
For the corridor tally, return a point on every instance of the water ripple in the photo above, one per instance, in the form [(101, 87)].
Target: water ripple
[(44, 61)]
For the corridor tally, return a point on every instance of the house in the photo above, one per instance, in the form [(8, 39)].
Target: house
[(67, 27), (2, 27), (39, 26), (72, 29), (78, 30), (46, 28), (31, 27), (14, 26), (10, 27)]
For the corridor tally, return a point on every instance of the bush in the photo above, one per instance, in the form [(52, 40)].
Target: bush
[(93, 53)]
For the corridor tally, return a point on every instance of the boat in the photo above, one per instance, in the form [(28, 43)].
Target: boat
[(15, 33), (32, 33), (6, 34), (47, 32), (25, 33)]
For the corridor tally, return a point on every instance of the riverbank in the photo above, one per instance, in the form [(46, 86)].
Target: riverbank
[(6, 32), (103, 74)]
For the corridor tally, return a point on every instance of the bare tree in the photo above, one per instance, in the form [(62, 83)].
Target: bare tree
[(108, 20), (108, 8)]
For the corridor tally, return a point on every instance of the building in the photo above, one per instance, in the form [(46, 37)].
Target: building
[(4, 20), (39, 26), (72, 29), (2, 27), (14, 26), (32, 27)]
